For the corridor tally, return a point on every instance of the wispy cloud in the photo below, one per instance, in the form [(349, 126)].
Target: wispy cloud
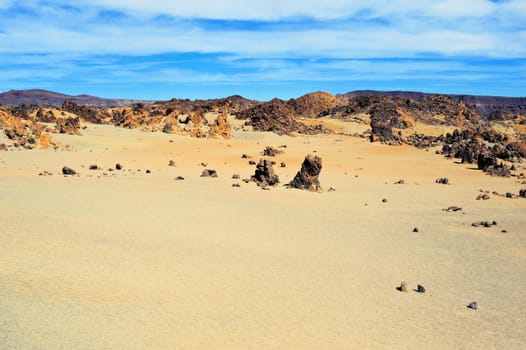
[(241, 42)]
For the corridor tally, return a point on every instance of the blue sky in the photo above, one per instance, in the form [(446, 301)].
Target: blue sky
[(159, 49)]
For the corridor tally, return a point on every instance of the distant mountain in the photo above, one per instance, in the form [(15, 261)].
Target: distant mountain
[(484, 105), (50, 98)]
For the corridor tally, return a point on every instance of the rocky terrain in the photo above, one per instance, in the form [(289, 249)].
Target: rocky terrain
[(489, 131)]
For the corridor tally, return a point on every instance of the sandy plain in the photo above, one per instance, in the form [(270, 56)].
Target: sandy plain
[(130, 260)]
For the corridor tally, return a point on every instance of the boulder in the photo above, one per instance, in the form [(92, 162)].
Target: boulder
[(264, 175), (307, 177), (68, 171)]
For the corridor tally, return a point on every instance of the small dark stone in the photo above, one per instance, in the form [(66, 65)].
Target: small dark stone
[(236, 176), (93, 167), (148, 171), (118, 166), (209, 173), (236, 185), (244, 156), (68, 171), (403, 287), (400, 182), (204, 164), (415, 229), (179, 178), (509, 195), (473, 305), (494, 223), (484, 197), (504, 231), (384, 200), (452, 208), (283, 165), (420, 289), (252, 162), (442, 180), (171, 163)]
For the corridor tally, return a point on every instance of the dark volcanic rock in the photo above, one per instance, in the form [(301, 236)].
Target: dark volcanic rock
[(307, 177), (68, 171), (264, 175), (442, 180), (522, 193), (473, 305), (271, 151), (209, 173), (420, 289), (118, 166)]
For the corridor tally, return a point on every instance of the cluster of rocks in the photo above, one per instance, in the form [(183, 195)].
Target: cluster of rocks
[(264, 175), (484, 223), (271, 151), (404, 287), (442, 181)]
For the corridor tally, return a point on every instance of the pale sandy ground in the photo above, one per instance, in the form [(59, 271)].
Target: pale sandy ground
[(141, 261)]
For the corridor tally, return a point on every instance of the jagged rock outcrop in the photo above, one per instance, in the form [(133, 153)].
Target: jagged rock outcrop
[(221, 127), (264, 175), (307, 177), (277, 116), (70, 126)]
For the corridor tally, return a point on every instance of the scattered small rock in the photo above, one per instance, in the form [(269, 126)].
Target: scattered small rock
[(442, 180), (204, 165), (484, 224), (93, 167), (384, 200), (236, 185), (118, 166), (484, 197), (400, 182), (179, 178), (504, 231), (509, 195), (403, 287), (420, 289), (236, 176), (522, 193), (209, 173), (415, 229), (171, 163), (245, 156), (68, 171), (452, 208), (473, 305), (252, 162), (271, 151), (331, 189), (283, 165), (148, 171)]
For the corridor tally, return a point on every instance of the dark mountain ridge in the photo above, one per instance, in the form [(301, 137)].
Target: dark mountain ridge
[(50, 98)]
